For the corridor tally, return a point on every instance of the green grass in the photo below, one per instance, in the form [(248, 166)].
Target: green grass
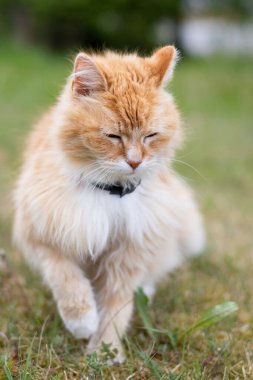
[(215, 96)]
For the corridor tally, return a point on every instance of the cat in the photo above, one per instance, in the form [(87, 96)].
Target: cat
[(99, 212)]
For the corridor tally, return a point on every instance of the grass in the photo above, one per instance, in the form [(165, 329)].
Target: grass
[(215, 96)]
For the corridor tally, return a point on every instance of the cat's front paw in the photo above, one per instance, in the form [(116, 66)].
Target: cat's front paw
[(84, 326), (112, 353)]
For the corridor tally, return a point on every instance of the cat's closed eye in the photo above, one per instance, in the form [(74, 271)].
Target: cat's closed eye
[(112, 136), (151, 135)]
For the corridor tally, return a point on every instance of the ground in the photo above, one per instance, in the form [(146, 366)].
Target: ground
[(215, 96)]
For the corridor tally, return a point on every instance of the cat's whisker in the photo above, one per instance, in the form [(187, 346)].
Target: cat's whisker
[(166, 159), (90, 174), (82, 175), (101, 178), (190, 166)]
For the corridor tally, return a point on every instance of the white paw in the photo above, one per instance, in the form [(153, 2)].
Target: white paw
[(84, 327)]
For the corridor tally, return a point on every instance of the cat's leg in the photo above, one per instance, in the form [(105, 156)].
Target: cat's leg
[(115, 294), (114, 314), (71, 290), (192, 233)]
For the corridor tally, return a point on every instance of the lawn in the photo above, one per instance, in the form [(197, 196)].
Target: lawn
[(216, 99)]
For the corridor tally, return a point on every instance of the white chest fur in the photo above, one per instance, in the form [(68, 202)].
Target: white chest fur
[(90, 219), (83, 221)]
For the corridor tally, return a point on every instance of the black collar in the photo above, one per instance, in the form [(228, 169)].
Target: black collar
[(117, 189)]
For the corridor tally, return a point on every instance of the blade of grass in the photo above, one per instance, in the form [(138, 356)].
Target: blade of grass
[(141, 301), (25, 374), (153, 367), (7, 369), (41, 336)]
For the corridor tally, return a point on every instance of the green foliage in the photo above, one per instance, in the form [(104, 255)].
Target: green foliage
[(124, 24), (112, 23)]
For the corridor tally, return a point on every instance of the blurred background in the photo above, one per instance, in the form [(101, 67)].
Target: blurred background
[(199, 27), (213, 86)]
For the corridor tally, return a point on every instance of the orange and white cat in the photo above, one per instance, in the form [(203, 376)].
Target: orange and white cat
[(99, 211)]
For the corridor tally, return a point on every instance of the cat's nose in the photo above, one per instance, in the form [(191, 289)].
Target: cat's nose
[(133, 164)]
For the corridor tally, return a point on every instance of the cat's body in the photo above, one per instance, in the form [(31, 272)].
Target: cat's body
[(114, 125)]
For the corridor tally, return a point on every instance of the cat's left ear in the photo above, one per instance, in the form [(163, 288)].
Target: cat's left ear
[(162, 63), (87, 78)]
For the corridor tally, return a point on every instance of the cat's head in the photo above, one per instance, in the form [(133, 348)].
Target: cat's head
[(119, 123)]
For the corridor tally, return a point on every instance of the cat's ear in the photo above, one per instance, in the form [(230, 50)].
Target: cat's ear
[(87, 78), (163, 62)]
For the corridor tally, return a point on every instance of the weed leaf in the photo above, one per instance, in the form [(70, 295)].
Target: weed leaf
[(213, 316)]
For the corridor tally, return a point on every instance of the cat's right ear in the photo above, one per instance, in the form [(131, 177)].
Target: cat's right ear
[(162, 64), (87, 78)]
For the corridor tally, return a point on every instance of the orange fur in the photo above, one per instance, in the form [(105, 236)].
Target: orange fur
[(114, 123)]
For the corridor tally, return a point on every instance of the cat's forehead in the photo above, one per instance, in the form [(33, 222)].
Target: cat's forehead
[(130, 95), (121, 71), (133, 110)]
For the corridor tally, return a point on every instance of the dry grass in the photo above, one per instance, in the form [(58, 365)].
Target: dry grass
[(216, 98)]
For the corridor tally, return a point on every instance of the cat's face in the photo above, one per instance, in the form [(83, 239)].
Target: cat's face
[(119, 123)]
